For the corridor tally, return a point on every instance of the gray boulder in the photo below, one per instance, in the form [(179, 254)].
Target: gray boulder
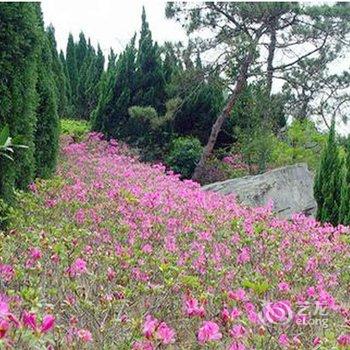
[(290, 188)]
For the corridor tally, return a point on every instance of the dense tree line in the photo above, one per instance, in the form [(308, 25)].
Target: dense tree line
[(29, 95), (169, 87)]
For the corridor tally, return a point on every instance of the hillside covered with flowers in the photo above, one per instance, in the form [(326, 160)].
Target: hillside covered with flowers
[(116, 254)]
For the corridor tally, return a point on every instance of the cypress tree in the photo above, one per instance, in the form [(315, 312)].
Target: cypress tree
[(344, 211), (112, 58), (150, 80), (67, 84), (58, 74), (117, 89), (46, 135), (81, 50), (328, 181), (93, 81), (72, 70), (19, 40)]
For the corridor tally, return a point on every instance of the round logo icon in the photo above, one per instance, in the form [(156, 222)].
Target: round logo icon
[(276, 312)]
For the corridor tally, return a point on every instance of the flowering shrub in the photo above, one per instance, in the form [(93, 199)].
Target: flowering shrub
[(117, 254)]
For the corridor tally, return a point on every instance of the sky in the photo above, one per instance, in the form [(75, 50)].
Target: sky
[(111, 23)]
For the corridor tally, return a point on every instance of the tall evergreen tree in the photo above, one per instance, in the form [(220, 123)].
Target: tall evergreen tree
[(93, 81), (201, 99), (47, 128), (111, 115), (58, 73), (81, 50), (150, 80), (67, 84), (328, 181), (112, 60), (344, 210), (72, 69), (19, 40)]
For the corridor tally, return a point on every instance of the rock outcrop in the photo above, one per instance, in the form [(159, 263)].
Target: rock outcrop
[(290, 188)]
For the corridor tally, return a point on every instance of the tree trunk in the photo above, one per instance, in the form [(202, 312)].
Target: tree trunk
[(208, 149), (271, 55)]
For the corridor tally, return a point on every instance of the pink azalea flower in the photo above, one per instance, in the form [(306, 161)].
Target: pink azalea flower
[(238, 331), (238, 295), (165, 333), (344, 340), (192, 308), (47, 324), (237, 346), (143, 345), (243, 256), (283, 287), (230, 316), (6, 272), (150, 326), (80, 217), (4, 309), (4, 327), (29, 320), (147, 248), (209, 331), (283, 340), (35, 253), (84, 335), (316, 341), (78, 268), (111, 274)]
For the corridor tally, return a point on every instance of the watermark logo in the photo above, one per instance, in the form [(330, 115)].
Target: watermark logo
[(304, 314), (278, 312)]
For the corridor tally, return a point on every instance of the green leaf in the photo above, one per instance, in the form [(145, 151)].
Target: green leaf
[(4, 135)]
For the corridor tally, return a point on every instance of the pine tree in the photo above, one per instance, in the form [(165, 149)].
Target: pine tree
[(47, 127), (72, 70), (19, 40), (344, 210), (150, 80), (58, 73), (328, 181)]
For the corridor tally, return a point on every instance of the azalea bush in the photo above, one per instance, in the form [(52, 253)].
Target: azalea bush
[(116, 254)]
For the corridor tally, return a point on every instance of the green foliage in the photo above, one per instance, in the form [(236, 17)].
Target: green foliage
[(302, 142), (183, 155), (117, 90), (151, 132), (253, 125), (19, 40), (81, 50), (75, 128), (5, 143), (328, 181), (47, 129), (202, 100), (150, 89), (344, 210), (58, 75), (72, 70)]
